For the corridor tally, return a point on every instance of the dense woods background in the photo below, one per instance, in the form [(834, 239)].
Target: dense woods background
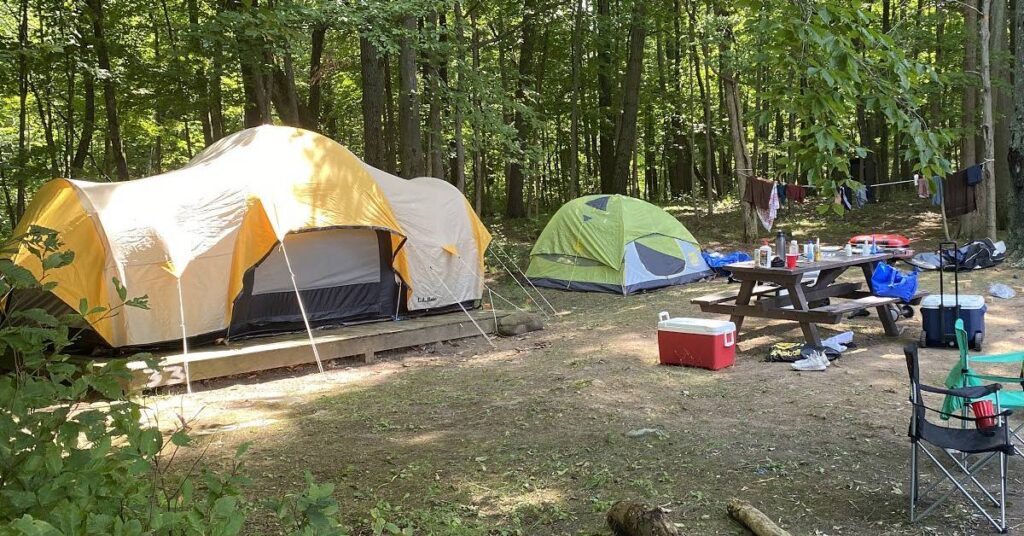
[(522, 104)]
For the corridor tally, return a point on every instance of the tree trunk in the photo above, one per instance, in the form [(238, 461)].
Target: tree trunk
[(88, 125), (737, 130), (514, 202), (988, 199), (574, 114), (409, 102), (216, 102), (316, 76), (1016, 152), (624, 145), (606, 115), (1002, 105), (479, 177), (390, 125), (374, 149), (256, 110), (458, 166), (109, 91), (22, 111), (709, 155)]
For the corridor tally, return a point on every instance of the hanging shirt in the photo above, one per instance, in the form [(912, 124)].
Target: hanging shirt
[(922, 188), (975, 174), (936, 187), (795, 192), (958, 197), (781, 190), (759, 193)]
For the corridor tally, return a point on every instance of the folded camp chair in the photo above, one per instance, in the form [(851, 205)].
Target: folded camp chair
[(964, 374), (949, 442)]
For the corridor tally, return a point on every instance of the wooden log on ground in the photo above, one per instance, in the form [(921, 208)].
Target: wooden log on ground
[(630, 518), (754, 519), (518, 324)]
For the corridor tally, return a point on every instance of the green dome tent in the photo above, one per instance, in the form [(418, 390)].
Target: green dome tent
[(614, 243)]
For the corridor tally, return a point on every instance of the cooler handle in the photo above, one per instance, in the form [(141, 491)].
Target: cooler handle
[(663, 315), (730, 339)]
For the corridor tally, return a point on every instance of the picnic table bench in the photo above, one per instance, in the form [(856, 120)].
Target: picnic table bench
[(781, 294)]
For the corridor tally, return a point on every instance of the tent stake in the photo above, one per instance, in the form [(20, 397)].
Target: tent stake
[(302, 308), (184, 337)]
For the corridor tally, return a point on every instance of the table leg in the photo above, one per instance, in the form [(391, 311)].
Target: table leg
[(888, 324), (799, 300), (743, 298)]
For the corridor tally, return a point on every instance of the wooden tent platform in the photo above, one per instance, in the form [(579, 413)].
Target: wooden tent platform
[(360, 340)]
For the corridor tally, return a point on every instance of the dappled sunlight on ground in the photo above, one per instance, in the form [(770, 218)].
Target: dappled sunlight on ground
[(533, 436)]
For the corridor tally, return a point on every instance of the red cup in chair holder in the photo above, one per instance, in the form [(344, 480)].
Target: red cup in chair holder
[(985, 413)]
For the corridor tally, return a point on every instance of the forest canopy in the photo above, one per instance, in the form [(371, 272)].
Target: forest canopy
[(521, 104)]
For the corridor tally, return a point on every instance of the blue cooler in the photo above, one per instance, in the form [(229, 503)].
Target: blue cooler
[(940, 332)]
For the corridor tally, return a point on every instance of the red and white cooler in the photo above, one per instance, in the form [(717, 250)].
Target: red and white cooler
[(696, 342)]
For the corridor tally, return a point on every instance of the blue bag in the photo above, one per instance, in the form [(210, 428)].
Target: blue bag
[(888, 282)]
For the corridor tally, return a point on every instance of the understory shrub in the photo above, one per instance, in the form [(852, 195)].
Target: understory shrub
[(76, 456)]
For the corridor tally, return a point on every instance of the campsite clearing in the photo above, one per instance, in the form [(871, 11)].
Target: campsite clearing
[(530, 437)]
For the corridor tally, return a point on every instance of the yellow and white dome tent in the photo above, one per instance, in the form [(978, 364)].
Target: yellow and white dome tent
[(358, 239)]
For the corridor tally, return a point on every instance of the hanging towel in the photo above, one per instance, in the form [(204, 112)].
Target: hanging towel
[(795, 192), (759, 192), (860, 197), (767, 215), (843, 197), (975, 174), (781, 190), (936, 187), (958, 197), (922, 188)]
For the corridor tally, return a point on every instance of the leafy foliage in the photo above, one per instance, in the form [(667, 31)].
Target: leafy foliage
[(75, 456)]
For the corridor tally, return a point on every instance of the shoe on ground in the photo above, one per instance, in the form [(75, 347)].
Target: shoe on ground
[(813, 363)]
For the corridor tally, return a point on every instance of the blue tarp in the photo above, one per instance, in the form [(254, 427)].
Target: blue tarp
[(717, 260)]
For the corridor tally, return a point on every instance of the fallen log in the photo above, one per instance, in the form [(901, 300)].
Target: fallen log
[(630, 518), (754, 519)]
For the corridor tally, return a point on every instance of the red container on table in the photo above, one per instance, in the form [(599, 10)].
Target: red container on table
[(883, 241), (696, 342)]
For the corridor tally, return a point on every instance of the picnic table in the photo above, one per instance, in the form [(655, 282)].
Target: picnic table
[(823, 301)]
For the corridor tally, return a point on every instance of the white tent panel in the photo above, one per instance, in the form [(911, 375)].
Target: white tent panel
[(321, 259)]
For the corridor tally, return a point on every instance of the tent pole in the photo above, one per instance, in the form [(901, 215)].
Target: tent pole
[(527, 292), (184, 337), (302, 307), (534, 287), (492, 291), (457, 302)]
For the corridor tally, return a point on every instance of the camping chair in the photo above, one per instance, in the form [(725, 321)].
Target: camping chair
[(964, 375), (947, 442)]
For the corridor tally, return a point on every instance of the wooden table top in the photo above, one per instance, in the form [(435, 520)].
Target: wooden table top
[(803, 267)]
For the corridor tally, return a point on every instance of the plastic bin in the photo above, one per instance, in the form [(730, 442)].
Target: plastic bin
[(940, 331), (696, 342)]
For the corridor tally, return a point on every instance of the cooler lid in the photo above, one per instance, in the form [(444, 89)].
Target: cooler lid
[(882, 240), (697, 326), (967, 301)]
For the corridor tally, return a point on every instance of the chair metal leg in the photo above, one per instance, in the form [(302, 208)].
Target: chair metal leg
[(913, 480), (1002, 492), (959, 486)]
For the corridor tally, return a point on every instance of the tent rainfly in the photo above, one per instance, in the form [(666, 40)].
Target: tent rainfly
[(614, 243), (226, 245)]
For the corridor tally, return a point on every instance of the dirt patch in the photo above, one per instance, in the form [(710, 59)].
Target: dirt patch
[(531, 437)]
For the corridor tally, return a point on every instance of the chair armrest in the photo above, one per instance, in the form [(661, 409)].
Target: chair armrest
[(969, 393)]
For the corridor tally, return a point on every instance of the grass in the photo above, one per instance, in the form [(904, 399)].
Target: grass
[(530, 437)]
